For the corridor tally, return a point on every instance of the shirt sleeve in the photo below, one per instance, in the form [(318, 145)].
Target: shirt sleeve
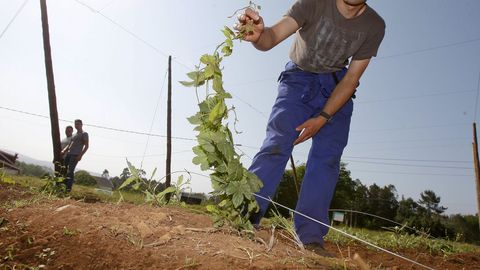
[(301, 11), (370, 47)]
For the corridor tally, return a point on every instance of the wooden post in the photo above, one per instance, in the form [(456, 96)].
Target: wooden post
[(476, 165), (52, 99), (295, 176), (169, 129)]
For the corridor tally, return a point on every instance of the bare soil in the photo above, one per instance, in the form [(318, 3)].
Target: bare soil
[(73, 234)]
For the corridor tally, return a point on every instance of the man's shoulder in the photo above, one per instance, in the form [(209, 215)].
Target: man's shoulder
[(375, 19)]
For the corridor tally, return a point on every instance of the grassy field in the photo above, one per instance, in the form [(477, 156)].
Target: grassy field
[(393, 239)]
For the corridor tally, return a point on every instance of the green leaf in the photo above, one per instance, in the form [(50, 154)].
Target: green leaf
[(180, 181), (153, 174), (226, 149), (211, 208), (223, 203), (217, 112), (227, 50), (208, 147), (229, 34), (209, 71), (208, 59), (195, 119), (187, 84), (235, 170), (127, 182), (218, 84), (137, 186), (237, 199)]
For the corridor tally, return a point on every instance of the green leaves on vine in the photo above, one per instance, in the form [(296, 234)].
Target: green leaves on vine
[(231, 182)]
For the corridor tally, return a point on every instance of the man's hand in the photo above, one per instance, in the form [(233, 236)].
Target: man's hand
[(310, 128), (251, 17)]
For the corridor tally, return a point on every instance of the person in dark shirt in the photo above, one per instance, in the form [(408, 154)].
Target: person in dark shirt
[(314, 99), (75, 151)]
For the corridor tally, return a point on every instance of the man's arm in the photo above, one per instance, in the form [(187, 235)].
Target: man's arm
[(65, 150), (340, 95), (265, 38), (85, 148)]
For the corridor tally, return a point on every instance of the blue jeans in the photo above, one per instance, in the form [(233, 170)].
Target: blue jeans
[(70, 163), (301, 96)]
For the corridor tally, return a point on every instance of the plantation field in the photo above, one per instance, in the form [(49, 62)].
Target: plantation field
[(92, 231)]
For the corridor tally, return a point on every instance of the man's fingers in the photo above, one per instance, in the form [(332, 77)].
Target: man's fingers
[(301, 127), (252, 14), (303, 137)]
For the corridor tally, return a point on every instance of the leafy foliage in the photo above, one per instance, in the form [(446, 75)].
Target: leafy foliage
[(84, 178), (54, 185), (32, 170), (231, 182), (154, 192)]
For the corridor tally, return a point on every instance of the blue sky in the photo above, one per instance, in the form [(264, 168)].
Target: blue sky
[(416, 102)]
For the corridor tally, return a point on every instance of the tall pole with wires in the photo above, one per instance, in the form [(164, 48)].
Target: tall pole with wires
[(52, 99), (169, 129), (476, 163), (477, 167)]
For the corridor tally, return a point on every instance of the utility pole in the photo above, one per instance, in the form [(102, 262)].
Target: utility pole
[(169, 129), (476, 165), (52, 99)]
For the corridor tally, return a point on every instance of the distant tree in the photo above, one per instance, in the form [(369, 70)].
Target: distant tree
[(407, 211), (105, 174), (463, 228), (431, 202), (344, 196), (84, 178), (116, 181), (31, 169), (286, 192), (381, 202), (125, 174)]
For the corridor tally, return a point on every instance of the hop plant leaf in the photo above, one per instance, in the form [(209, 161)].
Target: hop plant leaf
[(215, 151)]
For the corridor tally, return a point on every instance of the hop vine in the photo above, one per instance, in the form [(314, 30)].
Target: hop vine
[(232, 183)]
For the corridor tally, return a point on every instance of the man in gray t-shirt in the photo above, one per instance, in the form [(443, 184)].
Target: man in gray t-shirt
[(315, 86), (75, 151)]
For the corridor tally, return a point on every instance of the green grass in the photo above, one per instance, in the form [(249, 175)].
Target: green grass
[(395, 241), (79, 191)]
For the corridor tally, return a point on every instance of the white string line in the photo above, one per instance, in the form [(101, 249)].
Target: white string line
[(13, 19), (154, 116), (382, 218), (157, 50), (337, 230), (344, 233)]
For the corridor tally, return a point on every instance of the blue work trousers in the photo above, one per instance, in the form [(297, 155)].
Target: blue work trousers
[(70, 163), (301, 96)]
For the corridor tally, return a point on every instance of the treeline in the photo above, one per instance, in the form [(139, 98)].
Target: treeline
[(32, 170), (425, 215)]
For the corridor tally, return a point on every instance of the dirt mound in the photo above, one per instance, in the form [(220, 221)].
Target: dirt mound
[(72, 234)]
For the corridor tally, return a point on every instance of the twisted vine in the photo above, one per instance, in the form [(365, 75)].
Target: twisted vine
[(231, 182)]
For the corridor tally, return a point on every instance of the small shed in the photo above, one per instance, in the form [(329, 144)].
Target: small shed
[(192, 198), (104, 185), (7, 163)]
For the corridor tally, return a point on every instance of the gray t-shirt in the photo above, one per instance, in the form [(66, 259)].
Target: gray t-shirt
[(78, 142), (65, 142), (326, 39)]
